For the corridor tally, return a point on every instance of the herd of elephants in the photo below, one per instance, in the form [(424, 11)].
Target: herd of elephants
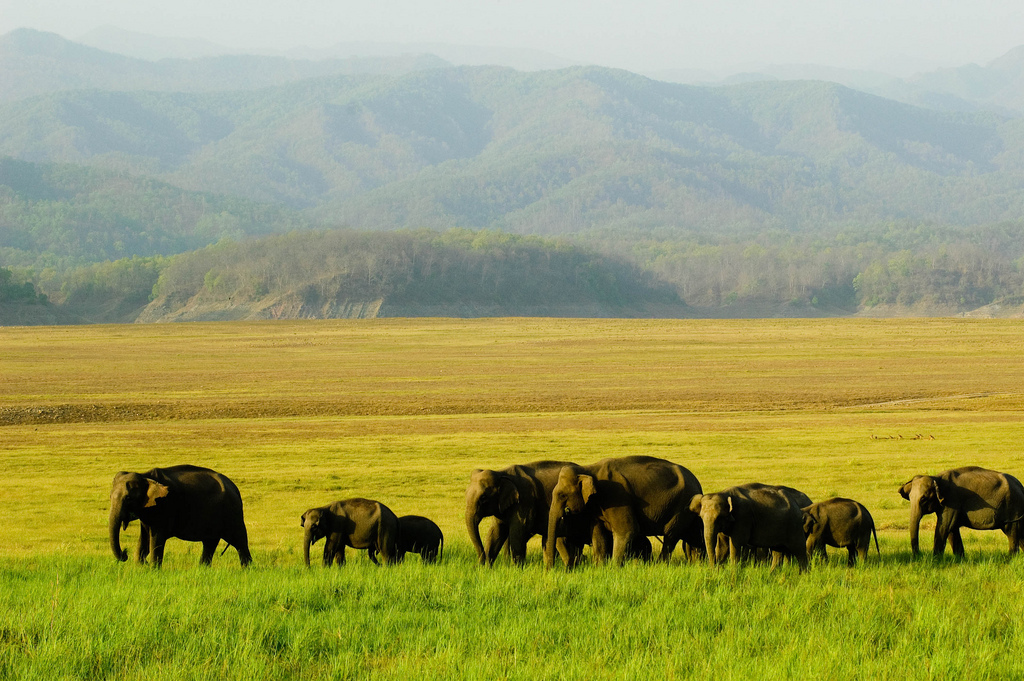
[(613, 506)]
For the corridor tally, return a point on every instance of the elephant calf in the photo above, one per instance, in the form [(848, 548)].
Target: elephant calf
[(842, 523), (417, 534), (751, 517), (359, 523)]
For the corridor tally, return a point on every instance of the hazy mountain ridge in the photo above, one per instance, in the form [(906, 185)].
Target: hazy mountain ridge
[(551, 152), (35, 63)]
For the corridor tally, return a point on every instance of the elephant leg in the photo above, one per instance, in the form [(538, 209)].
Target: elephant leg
[(570, 551), (372, 554), (851, 559), (143, 549), (863, 546), (735, 551), (721, 548), (209, 548), (157, 542), (673, 534), (945, 528), (800, 552), (620, 542), (517, 538), (1011, 531), (956, 543), (496, 538), (240, 540), (601, 544)]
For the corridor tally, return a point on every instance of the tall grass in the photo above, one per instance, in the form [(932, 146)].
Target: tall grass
[(91, 618)]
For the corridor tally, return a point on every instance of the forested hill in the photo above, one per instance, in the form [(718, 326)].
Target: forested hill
[(358, 274), (553, 152)]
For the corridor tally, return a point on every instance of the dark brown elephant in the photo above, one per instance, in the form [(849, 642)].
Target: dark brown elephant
[(359, 523), (185, 502), (842, 523), (972, 497), (628, 498), (518, 498), (417, 534), (753, 516)]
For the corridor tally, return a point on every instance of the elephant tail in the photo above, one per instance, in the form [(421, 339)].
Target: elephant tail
[(875, 534), (440, 549)]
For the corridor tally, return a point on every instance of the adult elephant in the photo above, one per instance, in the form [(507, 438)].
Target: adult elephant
[(359, 523), (629, 497), (187, 502), (518, 498), (754, 516), (973, 497)]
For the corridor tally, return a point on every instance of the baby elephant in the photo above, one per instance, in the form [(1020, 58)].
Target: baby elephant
[(359, 523), (417, 534), (842, 523)]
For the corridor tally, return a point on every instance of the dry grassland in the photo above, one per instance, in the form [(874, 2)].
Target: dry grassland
[(300, 413)]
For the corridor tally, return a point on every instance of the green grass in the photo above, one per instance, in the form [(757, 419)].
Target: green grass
[(91, 618), (300, 414)]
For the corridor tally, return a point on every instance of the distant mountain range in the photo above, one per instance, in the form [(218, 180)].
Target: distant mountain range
[(144, 46), (33, 62), (104, 156), (552, 152)]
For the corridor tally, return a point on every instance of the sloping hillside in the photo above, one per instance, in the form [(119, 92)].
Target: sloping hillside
[(55, 216)]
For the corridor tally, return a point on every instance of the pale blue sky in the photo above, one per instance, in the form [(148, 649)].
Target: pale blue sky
[(723, 35)]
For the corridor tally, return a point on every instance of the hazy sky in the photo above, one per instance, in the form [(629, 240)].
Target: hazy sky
[(636, 34)]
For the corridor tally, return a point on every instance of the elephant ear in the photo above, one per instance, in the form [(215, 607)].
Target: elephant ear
[(509, 495), (905, 490), (943, 491), (695, 502), (154, 491), (588, 487), (809, 521)]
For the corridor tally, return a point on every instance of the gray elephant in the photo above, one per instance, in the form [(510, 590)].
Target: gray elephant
[(359, 523), (628, 498), (417, 534), (518, 498), (753, 516), (842, 523), (186, 502), (971, 497)]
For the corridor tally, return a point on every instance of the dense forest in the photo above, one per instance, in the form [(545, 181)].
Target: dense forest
[(764, 198)]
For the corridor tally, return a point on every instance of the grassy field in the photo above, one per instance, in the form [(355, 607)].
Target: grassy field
[(302, 413)]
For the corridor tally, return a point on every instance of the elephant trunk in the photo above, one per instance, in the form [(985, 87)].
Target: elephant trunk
[(711, 543), (115, 530), (552, 539), (306, 541), (915, 525), (473, 519)]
